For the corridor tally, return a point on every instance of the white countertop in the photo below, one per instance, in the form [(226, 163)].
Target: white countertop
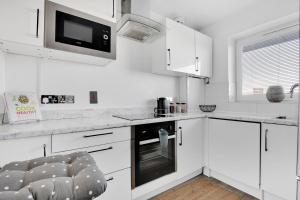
[(254, 118), (61, 126)]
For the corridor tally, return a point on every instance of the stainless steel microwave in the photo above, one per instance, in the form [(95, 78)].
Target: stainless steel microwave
[(71, 30)]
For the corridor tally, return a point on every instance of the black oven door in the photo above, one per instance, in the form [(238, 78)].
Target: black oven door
[(76, 31), (154, 156)]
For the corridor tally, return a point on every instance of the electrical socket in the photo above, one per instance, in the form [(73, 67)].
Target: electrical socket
[(93, 97)]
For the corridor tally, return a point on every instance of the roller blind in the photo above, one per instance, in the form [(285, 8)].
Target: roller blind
[(273, 61)]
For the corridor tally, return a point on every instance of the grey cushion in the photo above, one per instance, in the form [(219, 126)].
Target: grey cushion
[(62, 177)]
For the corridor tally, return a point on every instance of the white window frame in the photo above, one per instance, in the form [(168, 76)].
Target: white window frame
[(257, 37)]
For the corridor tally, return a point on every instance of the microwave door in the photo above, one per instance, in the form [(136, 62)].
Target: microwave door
[(76, 31)]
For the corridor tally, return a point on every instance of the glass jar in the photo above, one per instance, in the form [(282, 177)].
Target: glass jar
[(183, 107), (172, 108), (178, 107)]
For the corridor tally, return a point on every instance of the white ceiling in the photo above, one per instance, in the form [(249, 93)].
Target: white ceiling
[(200, 13)]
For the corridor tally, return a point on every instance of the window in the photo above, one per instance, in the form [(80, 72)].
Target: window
[(267, 59)]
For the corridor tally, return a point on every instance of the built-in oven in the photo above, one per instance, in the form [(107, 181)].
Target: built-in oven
[(153, 152), (71, 30)]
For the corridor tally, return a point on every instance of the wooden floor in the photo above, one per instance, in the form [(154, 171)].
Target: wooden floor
[(203, 188)]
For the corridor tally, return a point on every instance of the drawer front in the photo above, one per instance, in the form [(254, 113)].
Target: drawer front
[(24, 149), (66, 142), (112, 157), (118, 186), (109, 157)]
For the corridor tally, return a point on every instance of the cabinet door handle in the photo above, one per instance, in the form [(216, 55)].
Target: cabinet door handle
[(180, 132), (95, 135), (169, 56), (266, 140), (106, 149), (110, 179), (113, 15), (45, 150), (37, 22), (197, 64)]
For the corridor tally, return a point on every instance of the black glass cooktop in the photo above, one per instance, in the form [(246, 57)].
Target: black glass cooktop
[(133, 117)]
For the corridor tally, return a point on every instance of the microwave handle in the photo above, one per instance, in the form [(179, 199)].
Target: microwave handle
[(37, 22)]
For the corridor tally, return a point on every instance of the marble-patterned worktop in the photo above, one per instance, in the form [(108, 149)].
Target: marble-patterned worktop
[(61, 126), (254, 118)]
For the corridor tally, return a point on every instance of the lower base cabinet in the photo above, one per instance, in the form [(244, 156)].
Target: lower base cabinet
[(234, 150), (189, 146), (24, 149), (279, 160), (118, 186)]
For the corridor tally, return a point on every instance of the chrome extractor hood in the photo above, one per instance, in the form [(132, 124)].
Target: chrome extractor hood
[(135, 22)]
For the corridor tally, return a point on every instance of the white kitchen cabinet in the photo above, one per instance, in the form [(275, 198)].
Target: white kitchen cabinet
[(189, 146), (24, 149), (105, 9), (118, 186), (109, 157), (70, 141), (22, 21), (180, 47), (234, 150), (181, 50), (203, 46), (110, 149), (279, 160)]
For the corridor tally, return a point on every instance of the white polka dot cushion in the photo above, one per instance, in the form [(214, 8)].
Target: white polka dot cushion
[(63, 177)]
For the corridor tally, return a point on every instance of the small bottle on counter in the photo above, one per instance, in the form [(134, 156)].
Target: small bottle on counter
[(183, 108), (172, 107), (178, 107)]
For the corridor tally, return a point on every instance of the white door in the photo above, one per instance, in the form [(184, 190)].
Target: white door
[(118, 186), (24, 149), (22, 21), (203, 55), (189, 146), (105, 9), (279, 160), (234, 150), (180, 43)]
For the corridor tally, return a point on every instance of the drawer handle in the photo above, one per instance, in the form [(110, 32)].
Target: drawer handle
[(106, 149), (266, 140), (37, 22), (180, 132), (45, 150), (110, 179), (95, 135)]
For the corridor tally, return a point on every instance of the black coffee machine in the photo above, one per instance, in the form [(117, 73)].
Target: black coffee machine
[(163, 106)]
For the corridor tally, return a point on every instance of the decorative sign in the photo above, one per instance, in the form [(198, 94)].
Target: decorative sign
[(22, 107)]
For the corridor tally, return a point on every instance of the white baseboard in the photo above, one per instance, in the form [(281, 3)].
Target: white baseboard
[(163, 184), (159, 186)]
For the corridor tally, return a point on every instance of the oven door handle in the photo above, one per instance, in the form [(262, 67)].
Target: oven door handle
[(155, 140)]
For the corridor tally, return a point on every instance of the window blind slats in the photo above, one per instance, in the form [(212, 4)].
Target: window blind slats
[(271, 62), (278, 40)]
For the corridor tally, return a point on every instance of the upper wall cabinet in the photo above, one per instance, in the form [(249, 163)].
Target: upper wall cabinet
[(105, 9), (203, 51), (180, 45), (182, 50), (22, 21)]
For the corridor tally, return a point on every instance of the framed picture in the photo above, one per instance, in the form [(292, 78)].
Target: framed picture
[(22, 107)]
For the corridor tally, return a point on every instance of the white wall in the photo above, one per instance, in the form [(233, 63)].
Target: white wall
[(2, 75), (217, 91), (126, 82)]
